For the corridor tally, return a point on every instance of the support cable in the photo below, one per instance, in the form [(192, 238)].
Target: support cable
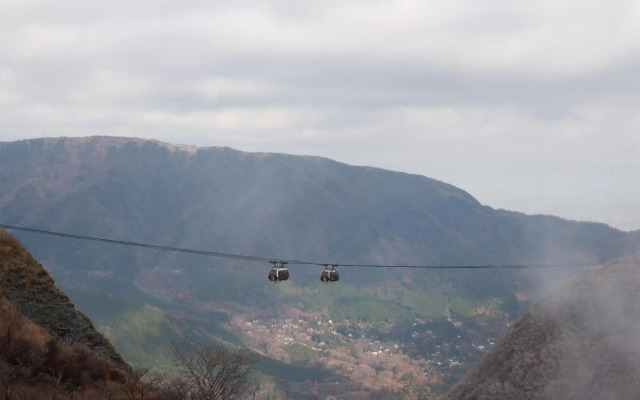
[(284, 261)]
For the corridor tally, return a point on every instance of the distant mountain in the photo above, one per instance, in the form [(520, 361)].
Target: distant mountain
[(579, 342), (274, 205)]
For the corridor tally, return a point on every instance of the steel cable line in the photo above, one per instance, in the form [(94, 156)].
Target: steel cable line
[(285, 261), (478, 266), (136, 244)]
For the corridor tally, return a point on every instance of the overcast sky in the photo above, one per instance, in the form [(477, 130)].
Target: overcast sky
[(532, 106)]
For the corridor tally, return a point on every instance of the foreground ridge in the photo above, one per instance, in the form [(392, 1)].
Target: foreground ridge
[(579, 342)]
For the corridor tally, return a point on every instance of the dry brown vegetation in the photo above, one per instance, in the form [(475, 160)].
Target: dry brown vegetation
[(33, 365), (27, 287)]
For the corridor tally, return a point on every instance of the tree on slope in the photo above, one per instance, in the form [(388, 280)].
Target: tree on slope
[(216, 372)]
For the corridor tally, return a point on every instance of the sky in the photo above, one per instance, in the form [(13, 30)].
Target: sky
[(529, 106)]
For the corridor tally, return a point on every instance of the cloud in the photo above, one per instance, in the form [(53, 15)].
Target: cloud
[(425, 87)]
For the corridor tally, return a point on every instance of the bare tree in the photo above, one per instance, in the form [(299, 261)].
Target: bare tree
[(140, 383), (216, 372), (173, 389)]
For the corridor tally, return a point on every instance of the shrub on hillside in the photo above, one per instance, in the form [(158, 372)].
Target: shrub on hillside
[(17, 345)]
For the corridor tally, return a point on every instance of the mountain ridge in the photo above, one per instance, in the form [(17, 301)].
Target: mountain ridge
[(315, 172), (578, 342)]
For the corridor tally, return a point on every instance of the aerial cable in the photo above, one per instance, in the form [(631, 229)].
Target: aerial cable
[(143, 245), (284, 261), (474, 266)]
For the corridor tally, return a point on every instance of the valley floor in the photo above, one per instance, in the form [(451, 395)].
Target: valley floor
[(410, 359)]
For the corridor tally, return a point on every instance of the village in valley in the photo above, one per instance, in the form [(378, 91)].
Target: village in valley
[(399, 359)]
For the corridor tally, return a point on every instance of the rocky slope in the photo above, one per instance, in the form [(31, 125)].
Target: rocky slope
[(579, 342), (28, 288)]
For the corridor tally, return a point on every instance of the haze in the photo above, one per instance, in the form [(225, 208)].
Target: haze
[(527, 106)]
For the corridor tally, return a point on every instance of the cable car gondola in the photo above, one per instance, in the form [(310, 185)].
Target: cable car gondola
[(278, 273), (330, 274)]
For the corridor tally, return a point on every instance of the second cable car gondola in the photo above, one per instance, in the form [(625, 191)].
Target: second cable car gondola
[(330, 274), (278, 273)]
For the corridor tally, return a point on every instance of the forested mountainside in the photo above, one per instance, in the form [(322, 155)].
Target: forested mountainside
[(272, 205), (579, 342), (287, 207)]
